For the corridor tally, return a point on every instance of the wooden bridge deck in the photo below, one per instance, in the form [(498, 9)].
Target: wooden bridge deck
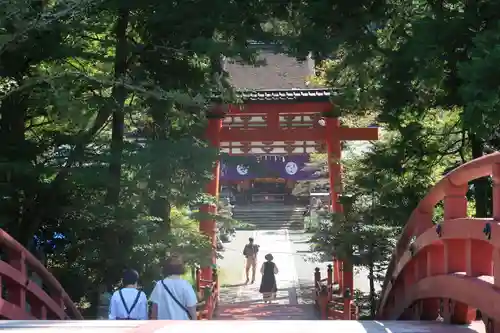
[(222, 326)]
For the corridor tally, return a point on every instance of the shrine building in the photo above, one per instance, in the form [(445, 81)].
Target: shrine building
[(267, 171)]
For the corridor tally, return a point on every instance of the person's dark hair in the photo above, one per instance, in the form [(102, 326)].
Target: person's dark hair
[(250, 240), (173, 266), (130, 276)]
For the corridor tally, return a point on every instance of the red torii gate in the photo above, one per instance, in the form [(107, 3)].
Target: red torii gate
[(280, 122)]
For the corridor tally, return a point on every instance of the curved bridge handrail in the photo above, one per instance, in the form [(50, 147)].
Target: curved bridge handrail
[(459, 176), (41, 271)]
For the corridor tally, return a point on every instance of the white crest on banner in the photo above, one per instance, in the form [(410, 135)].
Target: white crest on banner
[(291, 168), (242, 169)]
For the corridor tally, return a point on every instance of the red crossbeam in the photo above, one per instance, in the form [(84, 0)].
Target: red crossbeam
[(295, 134), (275, 108)]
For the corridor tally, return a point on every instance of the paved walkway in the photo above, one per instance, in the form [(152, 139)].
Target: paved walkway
[(293, 256), (240, 301), (296, 263)]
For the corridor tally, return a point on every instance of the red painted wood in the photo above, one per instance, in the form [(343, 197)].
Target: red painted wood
[(272, 133), (300, 108), (208, 227), (358, 134), (20, 289), (334, 150), (457, 266)]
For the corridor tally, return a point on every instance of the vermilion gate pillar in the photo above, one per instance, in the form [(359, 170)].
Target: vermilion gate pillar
[(334, 146), (208, 227)]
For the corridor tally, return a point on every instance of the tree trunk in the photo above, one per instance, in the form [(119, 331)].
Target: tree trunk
[(371, 276), (159, 206), (481, 185), (119, 95)]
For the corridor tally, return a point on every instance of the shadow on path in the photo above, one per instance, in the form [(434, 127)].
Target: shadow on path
[(261, 311)]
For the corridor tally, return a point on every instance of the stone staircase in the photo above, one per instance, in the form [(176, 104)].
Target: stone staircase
[(270, 216)]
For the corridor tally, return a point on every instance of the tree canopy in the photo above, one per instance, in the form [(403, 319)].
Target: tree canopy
[(426, 72), (103, 105)]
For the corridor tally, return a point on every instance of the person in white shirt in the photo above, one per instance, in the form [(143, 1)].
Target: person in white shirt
[(173, 298), (129, 303)]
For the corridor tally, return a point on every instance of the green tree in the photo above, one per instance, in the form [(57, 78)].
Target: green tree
[(103, 106)]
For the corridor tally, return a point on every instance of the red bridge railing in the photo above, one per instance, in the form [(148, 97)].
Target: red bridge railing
[(329, 300), (448, 270), (23, 297), (208, 293)]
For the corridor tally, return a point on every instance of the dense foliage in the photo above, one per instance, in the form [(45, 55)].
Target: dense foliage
[(426, 72), (102, 115)]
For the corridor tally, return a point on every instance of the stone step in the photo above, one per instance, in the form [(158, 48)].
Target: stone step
[(266, 215), (274, 207), (294, 226), (272, 222), (271, 217), (267, 218), (267, 212), (268, 209)]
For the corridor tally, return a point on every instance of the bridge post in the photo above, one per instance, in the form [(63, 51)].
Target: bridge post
[(208, 227), (348, 288), (491, 325), (336, 271), (434, 265), (347, 304), (16, 293), (329, 280), (317, 276), (430, 309), (418, 310), (496, 217), (448, 310), (458, 253), (455, 202), (496, 191)]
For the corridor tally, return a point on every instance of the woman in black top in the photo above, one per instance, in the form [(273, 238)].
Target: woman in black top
[(268, 286)]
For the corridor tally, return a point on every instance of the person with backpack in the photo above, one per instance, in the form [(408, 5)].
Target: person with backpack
[(173, 297), (250, 252), (129, 303)]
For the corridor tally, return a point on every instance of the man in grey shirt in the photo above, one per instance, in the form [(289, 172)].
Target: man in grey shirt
[(250, 252)]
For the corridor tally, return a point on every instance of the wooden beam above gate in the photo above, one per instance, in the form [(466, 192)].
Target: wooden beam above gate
[(295, 134)]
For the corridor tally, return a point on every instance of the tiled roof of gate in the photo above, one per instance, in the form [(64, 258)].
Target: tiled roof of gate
[(284, 95), (277, 77), (274, 70)]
